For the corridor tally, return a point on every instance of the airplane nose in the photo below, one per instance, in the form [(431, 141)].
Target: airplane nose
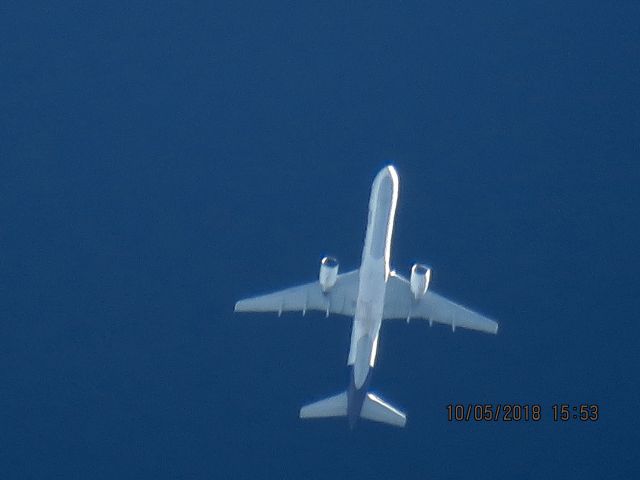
[(388, 172)]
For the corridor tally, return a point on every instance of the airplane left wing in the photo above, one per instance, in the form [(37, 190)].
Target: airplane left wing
[(341, 299), (400, 303)]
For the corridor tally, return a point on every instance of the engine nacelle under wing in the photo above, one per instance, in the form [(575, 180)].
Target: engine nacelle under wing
[(328, 273), (420, 277)]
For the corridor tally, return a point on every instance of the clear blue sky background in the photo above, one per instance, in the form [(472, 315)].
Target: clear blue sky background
[(160, 160)]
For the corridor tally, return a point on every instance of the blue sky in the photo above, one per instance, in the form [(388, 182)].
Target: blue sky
[(162, 160)]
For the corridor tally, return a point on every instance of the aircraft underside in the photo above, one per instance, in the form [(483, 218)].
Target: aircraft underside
[(371, 294)]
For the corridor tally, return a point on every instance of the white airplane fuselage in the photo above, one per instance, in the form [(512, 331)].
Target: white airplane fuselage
[(374, 271)]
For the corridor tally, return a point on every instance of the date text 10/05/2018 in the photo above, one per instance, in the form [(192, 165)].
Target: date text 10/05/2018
[(516, 412)]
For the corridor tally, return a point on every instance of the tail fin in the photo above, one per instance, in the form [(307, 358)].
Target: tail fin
[(335, 406), (376, 409)]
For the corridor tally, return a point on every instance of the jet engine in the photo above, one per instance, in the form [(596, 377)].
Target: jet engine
[(420, 276), (328, 273)]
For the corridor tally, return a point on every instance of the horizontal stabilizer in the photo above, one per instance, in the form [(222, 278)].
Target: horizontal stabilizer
[(376, 409), (335, 406)]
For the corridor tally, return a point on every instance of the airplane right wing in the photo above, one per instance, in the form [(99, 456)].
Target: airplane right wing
[(341, 299), (400, 303)]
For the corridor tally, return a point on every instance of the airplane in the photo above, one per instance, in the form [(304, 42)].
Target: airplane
[(370, 294)]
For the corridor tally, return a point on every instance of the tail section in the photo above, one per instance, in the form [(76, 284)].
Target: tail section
[(376, 409), (373, 408), (335, 406)]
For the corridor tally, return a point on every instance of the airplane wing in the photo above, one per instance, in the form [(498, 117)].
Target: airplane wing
[(341, 299), (400, 303)]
